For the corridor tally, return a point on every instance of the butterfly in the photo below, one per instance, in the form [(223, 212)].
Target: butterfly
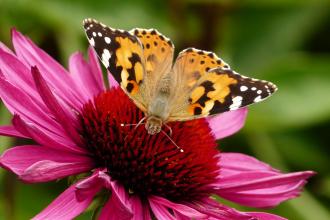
[(197, 85)]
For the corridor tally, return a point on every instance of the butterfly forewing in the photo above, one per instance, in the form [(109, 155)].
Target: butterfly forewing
[(158, 52), (122, 54)]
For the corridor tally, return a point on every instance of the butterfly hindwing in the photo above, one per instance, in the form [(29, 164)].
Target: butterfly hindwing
[(121, 53), (225, 90)]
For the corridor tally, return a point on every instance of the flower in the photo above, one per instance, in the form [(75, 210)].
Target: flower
[(77, 125)]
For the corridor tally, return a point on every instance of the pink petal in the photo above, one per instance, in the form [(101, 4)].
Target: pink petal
[(118, 206), (140, 210), (47, 170), (19, 159), (6, 49), (45, 138), (228, 123), (18, 74), (98, 180), (112, 82), (233, 163), (83, 76), (265, 216), (8, 130), (262, 188), (215, 210), (54, 73), (180, 208), (19, 102), (160, 211), (96, 69), (66, 206), (63, 116)]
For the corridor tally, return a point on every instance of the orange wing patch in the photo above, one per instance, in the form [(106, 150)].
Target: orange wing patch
[(212, 89), (194, 63), (157, 49)]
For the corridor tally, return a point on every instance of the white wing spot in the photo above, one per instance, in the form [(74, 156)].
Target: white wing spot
[(259, 92), (107, 40), (92, 42), (100, 34), (257, 99), (253, 88), (94, 34), (106, 57), (237, 101), (243, 88)]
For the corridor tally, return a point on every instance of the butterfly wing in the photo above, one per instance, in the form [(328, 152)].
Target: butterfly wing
[(122, 54), (158, 52), (190, 65), (218, 90)]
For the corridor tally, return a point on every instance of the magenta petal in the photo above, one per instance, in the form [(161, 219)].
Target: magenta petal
[(18, 74), (160, 211), (215, 210), (182, 209), (6, 49), (8, 130), (83, 76), (227, 123), (46, 170), (140, 210), (118, 206), (96, 69), (265, 216), (98, 180), (59, 79), (65, 118), (262, 188), (66, 206), (233, 163), (18, 159), (112, 82), (50, 140)]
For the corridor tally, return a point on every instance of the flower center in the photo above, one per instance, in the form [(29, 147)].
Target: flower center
[(149, 164)]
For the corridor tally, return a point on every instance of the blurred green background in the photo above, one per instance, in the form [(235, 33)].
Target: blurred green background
[(286, 42)]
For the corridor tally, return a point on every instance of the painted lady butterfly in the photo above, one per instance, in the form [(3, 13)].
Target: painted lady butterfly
[(197, 85)]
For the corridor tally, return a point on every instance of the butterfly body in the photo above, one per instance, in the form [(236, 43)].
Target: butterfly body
[(197, 85)]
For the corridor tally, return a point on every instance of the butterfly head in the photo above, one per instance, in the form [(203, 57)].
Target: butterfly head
[(154, 125)]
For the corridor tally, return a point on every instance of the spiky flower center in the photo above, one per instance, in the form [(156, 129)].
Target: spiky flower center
[(149, 164)]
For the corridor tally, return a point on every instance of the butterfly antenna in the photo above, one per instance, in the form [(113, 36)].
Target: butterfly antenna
[(136, 124), (169, 128), (181, 150)]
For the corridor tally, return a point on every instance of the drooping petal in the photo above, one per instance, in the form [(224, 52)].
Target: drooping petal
[(20, 103), (21, 159), (118, 206), (46, 138), (83, 76), (63, 115), (59, 79), (215, 210), (18, 74), (182, 209), (227, 123), (6, 49), (141, 210), (233, 163), (265, 216), (262, 188), (66, 206), (96, 69), (99, 179), (8, 130), (47, 170), (112, 82)]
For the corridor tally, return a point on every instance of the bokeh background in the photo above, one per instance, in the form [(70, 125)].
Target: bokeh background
[(284, 41)]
